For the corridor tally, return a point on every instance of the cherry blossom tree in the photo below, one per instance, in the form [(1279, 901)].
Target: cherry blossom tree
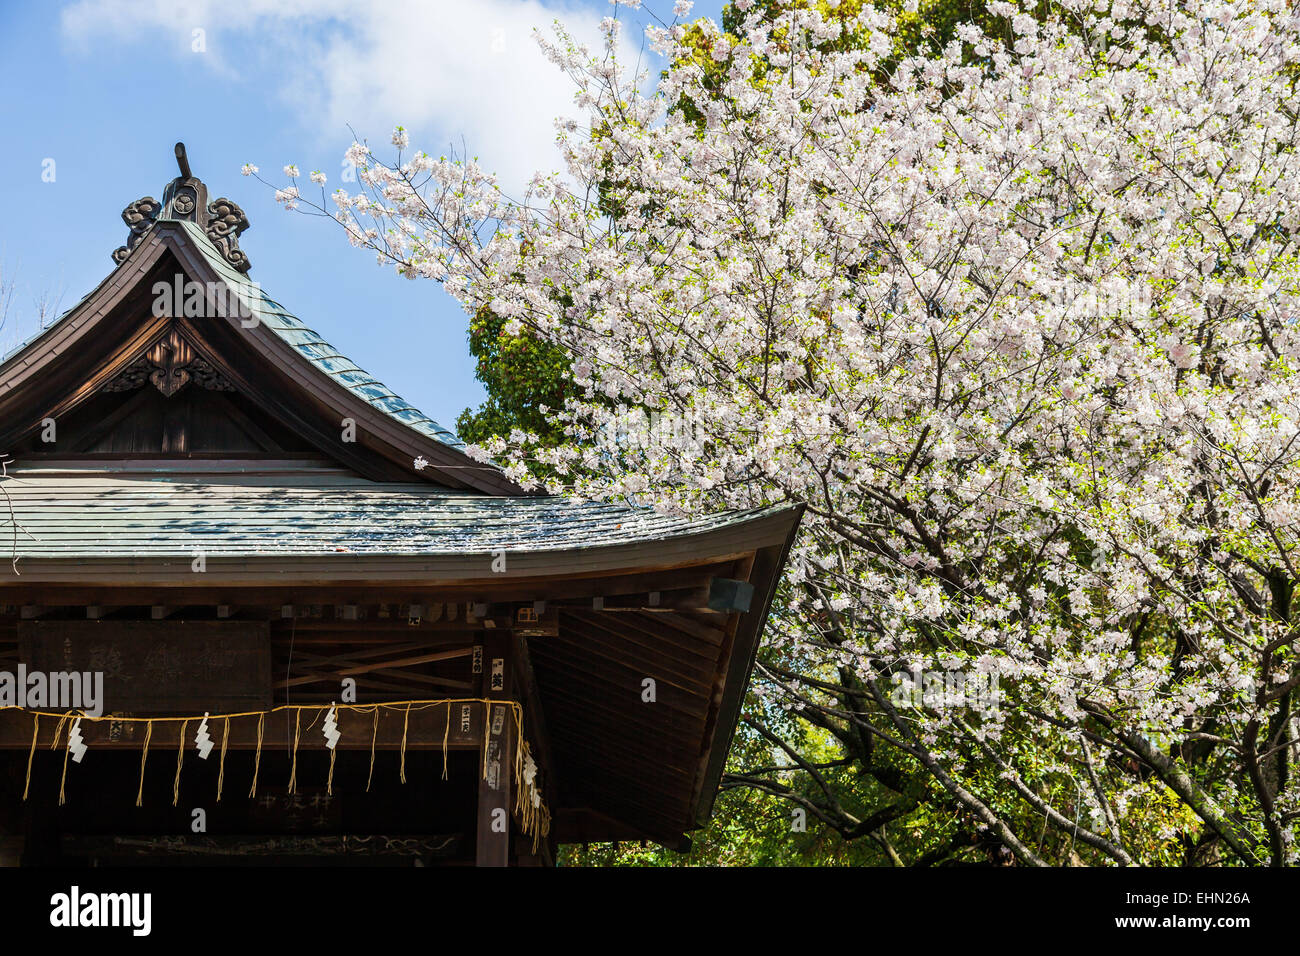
[(1015, 322)]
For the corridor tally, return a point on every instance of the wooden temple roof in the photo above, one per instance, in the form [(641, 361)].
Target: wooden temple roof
[(236, 454), (84, 510), (265, 333)]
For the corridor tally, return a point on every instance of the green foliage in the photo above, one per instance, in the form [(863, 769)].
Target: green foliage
[(523, 375)]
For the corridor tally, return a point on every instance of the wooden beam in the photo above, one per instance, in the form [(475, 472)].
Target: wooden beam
[(366, 668), (496, 769), (136, 847), (577, 587), (424, 732), (728, 594)]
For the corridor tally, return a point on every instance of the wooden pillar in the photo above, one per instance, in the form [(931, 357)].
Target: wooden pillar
[(494, 796), (525, 689)]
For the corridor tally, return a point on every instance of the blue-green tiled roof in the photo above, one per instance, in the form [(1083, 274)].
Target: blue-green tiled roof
[(316, 350), (86, 513)]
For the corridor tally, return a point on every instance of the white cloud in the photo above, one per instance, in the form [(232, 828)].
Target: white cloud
[(446, 69)]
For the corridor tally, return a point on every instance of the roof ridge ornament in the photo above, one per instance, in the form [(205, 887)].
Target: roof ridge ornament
[(186, 200), (171, 363)]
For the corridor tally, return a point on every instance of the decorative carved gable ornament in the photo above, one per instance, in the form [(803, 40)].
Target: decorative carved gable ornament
[(186, 200), (170, 364)]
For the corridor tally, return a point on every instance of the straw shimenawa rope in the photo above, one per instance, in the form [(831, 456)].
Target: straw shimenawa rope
[(180, 759), (257, 757), (373, 736), (406, 722), (446, 733), (64, 780), (221, 766), (36, 729), (58, 729), (533, 815), (144, 755), (293, 766)]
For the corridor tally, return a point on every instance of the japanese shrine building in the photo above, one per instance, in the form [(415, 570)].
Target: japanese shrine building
[(220, 516)]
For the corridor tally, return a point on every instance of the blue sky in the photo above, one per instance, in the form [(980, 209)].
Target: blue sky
[(104, 89)]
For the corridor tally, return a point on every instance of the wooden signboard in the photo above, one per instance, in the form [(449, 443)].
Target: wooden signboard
[(181, 667), (307, 809)]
